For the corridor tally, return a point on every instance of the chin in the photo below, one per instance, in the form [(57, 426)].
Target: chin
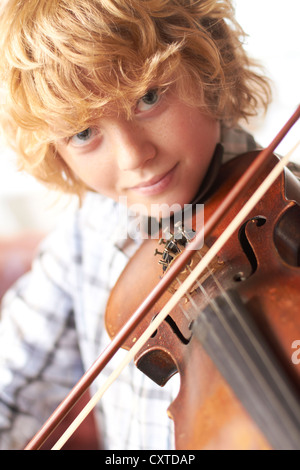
[(164, 210)]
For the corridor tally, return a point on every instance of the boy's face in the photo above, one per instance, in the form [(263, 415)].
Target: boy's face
[(160, 156)]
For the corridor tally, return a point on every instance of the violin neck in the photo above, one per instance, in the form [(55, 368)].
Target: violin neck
[(248, 363)]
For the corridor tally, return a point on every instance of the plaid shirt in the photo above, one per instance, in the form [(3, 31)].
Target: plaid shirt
[(52, 330)]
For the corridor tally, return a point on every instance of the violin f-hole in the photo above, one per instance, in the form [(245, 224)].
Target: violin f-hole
[(247, 248), (175, 330), (157, 363), (287, 236)]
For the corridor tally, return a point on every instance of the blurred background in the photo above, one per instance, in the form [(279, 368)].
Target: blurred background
[(273, 29)]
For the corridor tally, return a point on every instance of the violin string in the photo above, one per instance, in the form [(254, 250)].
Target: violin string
[(218, 244), (294, 406), (183, 310)]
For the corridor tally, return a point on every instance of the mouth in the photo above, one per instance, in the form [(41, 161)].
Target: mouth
[(155, 185)]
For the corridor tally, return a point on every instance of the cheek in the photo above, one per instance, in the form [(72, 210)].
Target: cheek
[(197, 141), (197, 145), (101, 178), (97, 174), (204, 132), (193, 134)]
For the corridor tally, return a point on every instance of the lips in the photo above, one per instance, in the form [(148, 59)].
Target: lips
[(155, 185)]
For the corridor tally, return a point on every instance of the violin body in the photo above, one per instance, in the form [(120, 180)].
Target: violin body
[(261, 264)]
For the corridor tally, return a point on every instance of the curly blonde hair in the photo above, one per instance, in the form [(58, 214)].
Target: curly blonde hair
[(66, 61)]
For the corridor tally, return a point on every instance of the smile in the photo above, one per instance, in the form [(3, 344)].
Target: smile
[(155, 185)]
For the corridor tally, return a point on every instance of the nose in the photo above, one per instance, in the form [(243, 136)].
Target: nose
[(133, 146)]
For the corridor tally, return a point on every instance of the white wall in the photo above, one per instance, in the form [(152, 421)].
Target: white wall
[(273, 28), (274, 39), (24, 203)]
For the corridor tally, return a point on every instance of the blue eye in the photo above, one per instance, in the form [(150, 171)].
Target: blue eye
[(148, 100), (83, 137)]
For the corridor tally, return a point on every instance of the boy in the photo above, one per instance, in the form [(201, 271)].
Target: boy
[(108, 99)]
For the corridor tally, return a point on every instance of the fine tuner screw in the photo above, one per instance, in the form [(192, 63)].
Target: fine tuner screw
[(164, 263), (171, 248), (180, 229)]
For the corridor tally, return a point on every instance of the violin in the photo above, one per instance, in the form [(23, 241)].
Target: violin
[(244, 303), (230, 323)]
